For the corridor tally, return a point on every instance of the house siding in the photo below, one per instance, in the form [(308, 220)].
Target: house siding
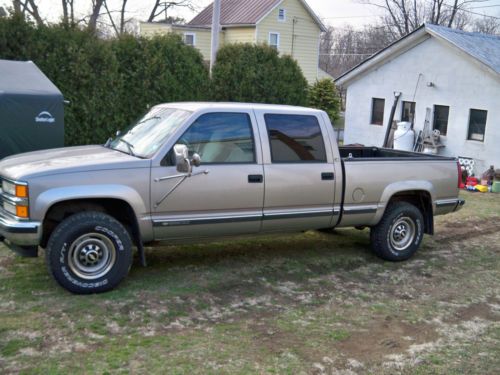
[(306, 41), (239, 35), (459, 81), (202, 36)]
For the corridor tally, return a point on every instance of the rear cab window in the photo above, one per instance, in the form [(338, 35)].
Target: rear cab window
[(295, 138)]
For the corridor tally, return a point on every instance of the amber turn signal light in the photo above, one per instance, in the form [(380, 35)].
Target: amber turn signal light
[(21, 191), (22, 211)]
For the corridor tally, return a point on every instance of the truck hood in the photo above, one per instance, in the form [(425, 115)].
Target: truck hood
[(67, 160)]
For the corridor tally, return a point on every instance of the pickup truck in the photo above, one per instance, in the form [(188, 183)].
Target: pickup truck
[(203, 171)]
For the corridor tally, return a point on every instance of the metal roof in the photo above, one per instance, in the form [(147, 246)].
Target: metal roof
[(232, 12), (244, 13), (483, 47)]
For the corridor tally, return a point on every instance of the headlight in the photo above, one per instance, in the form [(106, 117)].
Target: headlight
[(15, 198), (15, 189)]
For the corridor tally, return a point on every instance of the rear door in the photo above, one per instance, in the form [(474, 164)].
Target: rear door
[(228, 199), (298, 169)]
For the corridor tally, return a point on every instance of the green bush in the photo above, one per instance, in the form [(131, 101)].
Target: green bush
[(109, 83), (256, 73), (323, 95)]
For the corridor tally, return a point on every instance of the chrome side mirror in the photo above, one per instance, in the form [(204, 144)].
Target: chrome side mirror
[(182, 162)]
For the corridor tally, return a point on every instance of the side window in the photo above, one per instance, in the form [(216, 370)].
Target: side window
[(477, 124), (408, 111), (441, 113), (377, 117), (221, 138), (295, 138)]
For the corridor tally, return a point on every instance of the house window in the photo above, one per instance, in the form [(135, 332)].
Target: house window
[(477, 124), (295, 139), (281, 15), (190, 39), (440, 123), (274, 40), (377, 111), (408, 112)]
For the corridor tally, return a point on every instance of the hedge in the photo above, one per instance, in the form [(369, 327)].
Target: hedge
[(109, 83), (257, 73)]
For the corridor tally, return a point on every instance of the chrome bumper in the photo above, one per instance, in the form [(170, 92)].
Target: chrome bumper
[(21, 233)]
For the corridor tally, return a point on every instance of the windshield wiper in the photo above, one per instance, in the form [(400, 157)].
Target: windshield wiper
[(130, 146)]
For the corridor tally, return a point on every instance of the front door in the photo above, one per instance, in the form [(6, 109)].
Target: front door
[(299, 172), (225, 201)]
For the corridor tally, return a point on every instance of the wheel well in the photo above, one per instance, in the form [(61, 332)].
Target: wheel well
[(423, 201), (117, 208)]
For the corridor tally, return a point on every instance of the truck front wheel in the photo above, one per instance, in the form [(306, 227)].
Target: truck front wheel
[(89, 252), (399, 234)]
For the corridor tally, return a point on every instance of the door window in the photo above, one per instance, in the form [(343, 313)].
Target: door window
[(295, 138), (221, 138)]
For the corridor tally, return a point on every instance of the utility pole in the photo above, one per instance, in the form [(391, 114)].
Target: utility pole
[(215, 33)]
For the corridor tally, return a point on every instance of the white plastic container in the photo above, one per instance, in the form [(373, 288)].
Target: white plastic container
[(404, 137)]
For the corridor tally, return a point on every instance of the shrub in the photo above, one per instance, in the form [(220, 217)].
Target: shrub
[(109, 83), (323, 95), (256, 73)]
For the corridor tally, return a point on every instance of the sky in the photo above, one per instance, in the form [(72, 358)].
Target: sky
[(337, 13)]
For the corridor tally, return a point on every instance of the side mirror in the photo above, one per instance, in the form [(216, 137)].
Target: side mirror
[(182, 162)]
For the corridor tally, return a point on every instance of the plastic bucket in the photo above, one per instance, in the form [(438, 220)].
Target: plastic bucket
[(495, 188)]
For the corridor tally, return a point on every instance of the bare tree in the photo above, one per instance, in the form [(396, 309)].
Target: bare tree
[(28, 7), (161, 7), (487, 25), (68, 11), (96, 11), (403, 16), (343, 48)]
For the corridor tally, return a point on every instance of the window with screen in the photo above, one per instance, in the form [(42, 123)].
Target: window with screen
[(274, 40), (477, 124), (377, 111), (295, 138), (408, 111), (189, 39), (281, 15), (441, 113), (221, 138)]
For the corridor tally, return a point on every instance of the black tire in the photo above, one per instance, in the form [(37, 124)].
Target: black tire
[(89, 252), (399, 234)]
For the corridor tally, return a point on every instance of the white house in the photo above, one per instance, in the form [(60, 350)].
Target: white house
[(454, 73)]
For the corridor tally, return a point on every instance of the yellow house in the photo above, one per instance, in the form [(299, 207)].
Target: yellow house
[(290, 26)]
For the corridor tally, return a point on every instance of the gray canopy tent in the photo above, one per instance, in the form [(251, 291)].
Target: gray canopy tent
[(31, 109)]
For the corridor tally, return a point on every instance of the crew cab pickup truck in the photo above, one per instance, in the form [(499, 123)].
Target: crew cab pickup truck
[(200, 171)]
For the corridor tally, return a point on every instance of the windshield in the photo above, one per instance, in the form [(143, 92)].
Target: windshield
[(147, 135)]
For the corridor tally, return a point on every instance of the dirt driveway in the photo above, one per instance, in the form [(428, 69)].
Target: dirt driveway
[(312, 303)]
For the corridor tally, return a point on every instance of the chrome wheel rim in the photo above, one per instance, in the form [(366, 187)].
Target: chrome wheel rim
[(402, 233), (91, 256)]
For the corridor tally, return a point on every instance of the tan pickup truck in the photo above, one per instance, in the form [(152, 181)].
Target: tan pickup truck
[(198, 171)]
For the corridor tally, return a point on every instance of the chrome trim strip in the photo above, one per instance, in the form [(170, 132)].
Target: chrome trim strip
[(361, 209), (204, 220), (14, 181), (15, 200), (242, 218)]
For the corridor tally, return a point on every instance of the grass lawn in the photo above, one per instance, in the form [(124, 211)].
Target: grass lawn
[(309, 303)]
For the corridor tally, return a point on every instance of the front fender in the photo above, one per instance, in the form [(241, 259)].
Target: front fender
[(52, 196)]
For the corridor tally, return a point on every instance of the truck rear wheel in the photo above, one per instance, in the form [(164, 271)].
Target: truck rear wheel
[(89, 252), (399, 234)]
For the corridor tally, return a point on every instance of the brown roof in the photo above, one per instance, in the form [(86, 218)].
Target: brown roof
[(236, 12)]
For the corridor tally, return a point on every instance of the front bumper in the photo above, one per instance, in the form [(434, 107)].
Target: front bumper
[(21, 233)]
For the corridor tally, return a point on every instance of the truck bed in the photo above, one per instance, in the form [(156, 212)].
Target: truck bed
[(365, 153)]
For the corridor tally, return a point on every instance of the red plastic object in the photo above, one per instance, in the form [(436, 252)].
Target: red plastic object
[(472, 181)]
